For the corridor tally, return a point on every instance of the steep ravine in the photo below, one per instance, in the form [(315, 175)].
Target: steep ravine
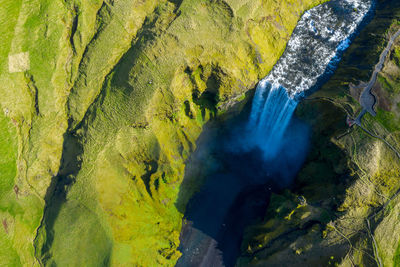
[(131, 83), (258, 153), (116, 97), (350, 179)]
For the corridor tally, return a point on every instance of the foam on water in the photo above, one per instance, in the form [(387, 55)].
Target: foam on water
[(320, 35), (312, 53)]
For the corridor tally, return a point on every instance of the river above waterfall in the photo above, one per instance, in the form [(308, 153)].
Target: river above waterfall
[(316, 45), (311, 56), (263, 149)]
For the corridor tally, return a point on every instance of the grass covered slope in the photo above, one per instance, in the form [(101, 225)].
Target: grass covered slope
[(351, 179), (106, 101), (8, 207)]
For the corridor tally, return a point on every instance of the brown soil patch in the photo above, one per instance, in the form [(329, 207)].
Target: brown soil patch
[(382, 101), (5, 226)]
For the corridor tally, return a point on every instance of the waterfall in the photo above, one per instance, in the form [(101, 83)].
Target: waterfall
[(272, 112), (311, 56)]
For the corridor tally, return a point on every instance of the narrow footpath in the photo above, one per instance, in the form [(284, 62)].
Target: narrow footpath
[(367, 99)]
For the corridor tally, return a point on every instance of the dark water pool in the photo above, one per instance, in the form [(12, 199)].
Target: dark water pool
[(236, 193)]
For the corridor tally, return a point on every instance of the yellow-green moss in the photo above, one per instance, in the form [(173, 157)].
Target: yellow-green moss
[(115, 77)]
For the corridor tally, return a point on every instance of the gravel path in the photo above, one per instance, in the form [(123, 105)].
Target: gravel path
[(367, 99)]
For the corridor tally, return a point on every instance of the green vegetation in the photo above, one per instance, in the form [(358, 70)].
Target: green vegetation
[(8, 155), (396, 258), (8, 170), (97, 130), (108, 110)]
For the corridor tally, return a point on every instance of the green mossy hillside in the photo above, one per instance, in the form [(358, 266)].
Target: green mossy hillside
[(107, 107)]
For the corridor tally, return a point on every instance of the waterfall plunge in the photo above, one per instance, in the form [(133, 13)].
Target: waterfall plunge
[(234, 194), (271, 114), (311, 56)]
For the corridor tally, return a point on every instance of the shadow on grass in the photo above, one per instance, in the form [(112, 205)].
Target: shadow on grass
[(68, 227), (56, 194)]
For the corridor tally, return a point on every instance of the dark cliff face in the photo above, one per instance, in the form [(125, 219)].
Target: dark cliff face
[(343, 206)]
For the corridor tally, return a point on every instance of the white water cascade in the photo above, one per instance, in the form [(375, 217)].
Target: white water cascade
[(311, 55)]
